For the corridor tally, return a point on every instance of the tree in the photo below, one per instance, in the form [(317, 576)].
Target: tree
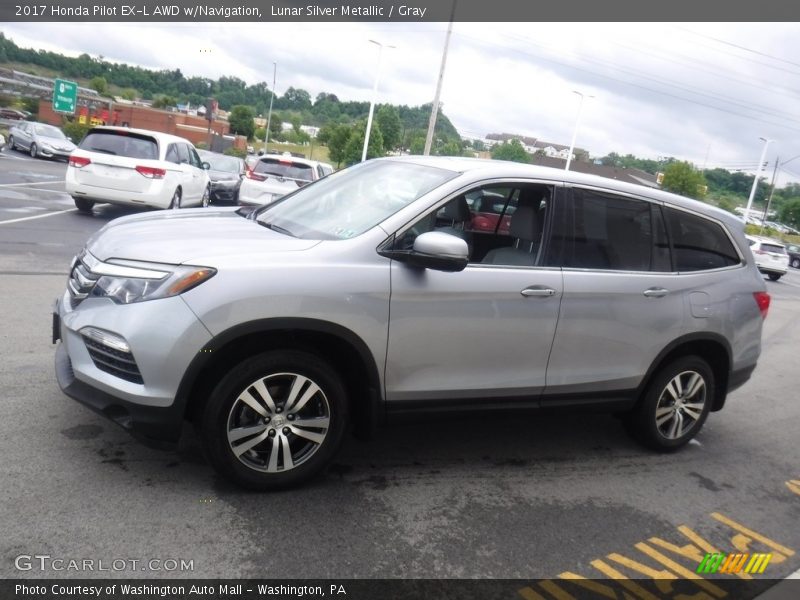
[(355, 144), (241, 120), (790, 212), (388, 120), (336, 138), (100, 85), (512, 150), (129, 94), (682, 178), (164, 102)]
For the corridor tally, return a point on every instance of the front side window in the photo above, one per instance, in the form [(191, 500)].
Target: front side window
[(194, 159), (699, 244), (349, 202), (598, 230)]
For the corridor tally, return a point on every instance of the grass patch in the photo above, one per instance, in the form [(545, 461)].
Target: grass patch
[(315, 152)]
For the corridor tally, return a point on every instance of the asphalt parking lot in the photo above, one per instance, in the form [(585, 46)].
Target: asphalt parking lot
[(504, 497)]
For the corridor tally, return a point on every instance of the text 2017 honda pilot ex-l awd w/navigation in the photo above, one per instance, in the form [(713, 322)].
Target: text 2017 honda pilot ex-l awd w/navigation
[(370, 293)]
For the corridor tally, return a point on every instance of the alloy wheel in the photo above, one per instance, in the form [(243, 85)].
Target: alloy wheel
[(278, 422), (680, 405)]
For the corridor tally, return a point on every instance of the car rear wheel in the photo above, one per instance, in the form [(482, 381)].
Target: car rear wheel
[(175, 203), (11, 143), (275, 420), (34, 150), (774, 276), (674, 406), (84, 205)]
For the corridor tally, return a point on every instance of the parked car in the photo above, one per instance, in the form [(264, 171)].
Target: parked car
[(40, 139), (347, 301), (2, 142), (225, 173), (770, 255), (13, 114), (274, 175), (793, 250), (136, 167)]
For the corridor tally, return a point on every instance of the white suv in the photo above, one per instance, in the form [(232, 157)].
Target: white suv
[(275, 175), (770, 255), (136, 167)]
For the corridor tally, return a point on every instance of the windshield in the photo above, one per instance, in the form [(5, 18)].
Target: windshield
[(219, 162), (349, 202), (49, 131)]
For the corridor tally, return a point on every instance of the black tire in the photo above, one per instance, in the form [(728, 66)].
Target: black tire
[(774, 276), (796, 263), (34, 151), (264, 437), (206, 200), (11, 143), (84, 205), (653, 422), (175, 203)]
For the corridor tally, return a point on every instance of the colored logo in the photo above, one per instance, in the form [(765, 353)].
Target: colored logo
[(733, 563)]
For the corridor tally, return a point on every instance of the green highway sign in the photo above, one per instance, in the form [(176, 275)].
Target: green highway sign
[(65, 96)]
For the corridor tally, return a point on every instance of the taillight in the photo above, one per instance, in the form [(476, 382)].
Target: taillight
[(151, 172), (78, 161), (762, 299), (255, 176)]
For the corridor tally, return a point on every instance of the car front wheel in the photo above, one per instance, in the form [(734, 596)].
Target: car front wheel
[(674, 405), (796, 263), (275, 420), (206, 197), (774, 276), (34, 150)]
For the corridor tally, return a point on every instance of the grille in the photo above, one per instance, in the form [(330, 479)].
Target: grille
[(81, 279), (115, 362)]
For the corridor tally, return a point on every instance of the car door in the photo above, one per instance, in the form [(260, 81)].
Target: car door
[(479, 335), (199, 174), (23, 135), (185, 167), (621, 302)]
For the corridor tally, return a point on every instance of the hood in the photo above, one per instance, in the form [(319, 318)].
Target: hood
[(215, 175), (175, 237), (56, 142)]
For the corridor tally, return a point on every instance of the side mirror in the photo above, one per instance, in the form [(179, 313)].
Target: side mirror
[(206, 166), (434, 250)]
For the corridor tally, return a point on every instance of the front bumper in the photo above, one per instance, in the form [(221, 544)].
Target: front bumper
[(225, 192), (154, 426), (164, 337)]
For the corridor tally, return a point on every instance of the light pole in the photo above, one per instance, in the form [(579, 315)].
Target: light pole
[(271, 98), (758, 174), (575, 132), (778, 165), (374, 95)]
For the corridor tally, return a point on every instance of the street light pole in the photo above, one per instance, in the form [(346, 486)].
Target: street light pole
[(755, 181), (271, 98), (575, 131), (372, 102), (778, 165)]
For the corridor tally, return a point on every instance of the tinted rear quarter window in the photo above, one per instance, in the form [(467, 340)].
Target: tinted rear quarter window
[(121, 144), (699, 244)]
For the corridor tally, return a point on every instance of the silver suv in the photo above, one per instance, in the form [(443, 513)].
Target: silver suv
[(372, 293)]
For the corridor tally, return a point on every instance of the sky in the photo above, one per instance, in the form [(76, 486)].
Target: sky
[(701, 92)]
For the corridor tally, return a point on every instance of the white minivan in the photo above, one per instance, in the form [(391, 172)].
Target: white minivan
[(136, 167)]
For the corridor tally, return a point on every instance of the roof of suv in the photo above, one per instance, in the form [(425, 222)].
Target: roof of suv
[(159, 135)]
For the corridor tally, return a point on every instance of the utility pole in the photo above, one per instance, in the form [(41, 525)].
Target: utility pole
[(435, 107), (271, 98)]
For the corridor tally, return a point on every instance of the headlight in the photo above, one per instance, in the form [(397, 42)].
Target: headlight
[(126, 282)]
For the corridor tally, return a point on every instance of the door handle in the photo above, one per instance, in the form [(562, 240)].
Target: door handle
[(655, 292), (539, 291)]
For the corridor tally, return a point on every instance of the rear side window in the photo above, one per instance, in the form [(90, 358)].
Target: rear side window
[(286, 169), (594, 230), (119, 143), (699, 244)]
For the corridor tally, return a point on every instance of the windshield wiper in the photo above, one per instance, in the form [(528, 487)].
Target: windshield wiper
[(277, 228)]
